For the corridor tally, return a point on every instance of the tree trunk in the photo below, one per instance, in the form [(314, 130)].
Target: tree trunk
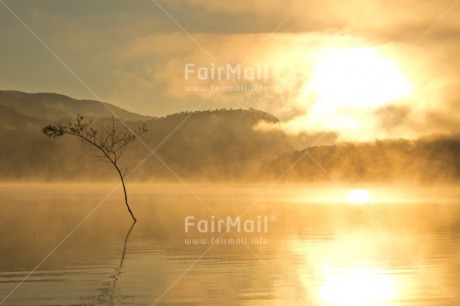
[(124, 190)]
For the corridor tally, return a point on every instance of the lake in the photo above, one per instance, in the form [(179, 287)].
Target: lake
[(288, 245)]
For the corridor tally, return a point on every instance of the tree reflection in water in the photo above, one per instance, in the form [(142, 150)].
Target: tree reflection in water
[(109, 293)]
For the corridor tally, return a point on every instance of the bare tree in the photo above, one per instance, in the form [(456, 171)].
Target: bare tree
[(107, 143)]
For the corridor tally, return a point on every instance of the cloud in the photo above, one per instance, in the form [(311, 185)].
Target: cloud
[(390, 117), (380, 19), (133, 55), (291, 58)]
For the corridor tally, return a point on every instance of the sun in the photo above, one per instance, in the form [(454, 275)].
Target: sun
[(358, 77), (358, 196), (347, 85)]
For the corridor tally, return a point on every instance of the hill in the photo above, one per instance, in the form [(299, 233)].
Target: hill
[(434, 159), (209, 146), (218, 144), (51, 106)]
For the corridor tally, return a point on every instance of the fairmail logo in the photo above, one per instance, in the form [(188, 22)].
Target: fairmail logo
[(227, 224), (226, 72)]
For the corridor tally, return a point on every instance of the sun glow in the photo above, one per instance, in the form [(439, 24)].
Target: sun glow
[(358, 77), (358, 196), (347, 86), (358, 287)]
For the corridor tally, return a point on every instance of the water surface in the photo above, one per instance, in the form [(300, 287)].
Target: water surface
[(318, 249)]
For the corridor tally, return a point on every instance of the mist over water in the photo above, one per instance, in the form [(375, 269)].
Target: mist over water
[(399, 247), (224, 145)]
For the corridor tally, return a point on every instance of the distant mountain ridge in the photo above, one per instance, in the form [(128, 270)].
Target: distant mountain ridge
[(10, 119), (208, 145), (52, 106)]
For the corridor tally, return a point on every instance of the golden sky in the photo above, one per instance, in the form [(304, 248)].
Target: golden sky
[(364, 69)]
